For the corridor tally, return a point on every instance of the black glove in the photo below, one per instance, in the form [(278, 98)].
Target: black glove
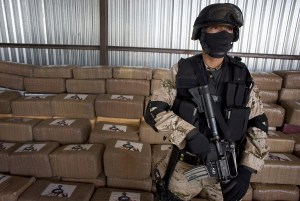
[(197, 143), (238, 186)]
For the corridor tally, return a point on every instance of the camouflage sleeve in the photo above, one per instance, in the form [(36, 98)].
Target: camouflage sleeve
[(256, 148), (168, 121)]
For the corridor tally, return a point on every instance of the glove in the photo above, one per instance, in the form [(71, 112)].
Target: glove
[(238, 186), (197, 143)]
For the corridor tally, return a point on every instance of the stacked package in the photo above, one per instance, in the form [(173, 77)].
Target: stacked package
[(6, 97), (158, 76)]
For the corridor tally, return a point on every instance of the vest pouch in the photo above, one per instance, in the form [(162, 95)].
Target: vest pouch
[(240, 94), (230, 94), (237, 120), (188, 112)]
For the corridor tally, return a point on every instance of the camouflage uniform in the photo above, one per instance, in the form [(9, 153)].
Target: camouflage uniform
[(253, 156)]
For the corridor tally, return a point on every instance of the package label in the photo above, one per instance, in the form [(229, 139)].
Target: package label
[(78, 147), (3, 178), (30, 148), (5, 146), (18, 120), (62, 122), (131, 146), (121, 97), (278, 157), (75, 97), (59, 190), (115, 128), (124, 196)]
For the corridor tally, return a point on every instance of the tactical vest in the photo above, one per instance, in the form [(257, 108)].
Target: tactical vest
[(233, 92)]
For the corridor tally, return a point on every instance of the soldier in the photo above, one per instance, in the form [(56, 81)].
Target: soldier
[(173, 109)]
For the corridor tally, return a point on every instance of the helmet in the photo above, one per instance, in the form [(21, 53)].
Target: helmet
[(219, 13)]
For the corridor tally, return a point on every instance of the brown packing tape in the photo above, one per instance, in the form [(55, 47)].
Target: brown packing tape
[(6, 149), (139, 73), (52, 71), (292, 111), (92, 120), (290, 78), (100, 181), (268, 96), (5, 101), (85, 86), (119, 120), (12, 81), (82, 192), (93, 72), (135, 184), (289, 94), (267, 81), (44, 85), (17, 68), (275, 114), (128, 87)]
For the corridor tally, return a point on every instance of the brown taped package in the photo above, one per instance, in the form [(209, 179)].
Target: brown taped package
[(289, 94), (17, 68), (267, 81), (160, 74), (43, 190), (5, 100), (279, 168), (135, 184), (270, 192), (85, 86), (296, 137), (17, 129), (6, 148), (292, 111), (53, 71), (12, 81), (149, 135), (44, 85), (268, 96), (92, 72), (11, 187), (275, 114), (36, 106), (138, 73), (73, 106), (82, 161), (127, 159), (64, 131), (32, 159), (155, 84), (128, 87), (280, 142), (291, 79), (158, 152), (105, 131), (100, 181), (119, 106), (105, 194)]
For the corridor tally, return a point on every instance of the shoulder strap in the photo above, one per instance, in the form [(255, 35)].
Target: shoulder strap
[(199, 70)]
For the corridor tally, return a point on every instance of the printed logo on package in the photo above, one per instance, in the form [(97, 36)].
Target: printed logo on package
[(78, 147), (36, 97), (272, 133), (165, 147), (3, 178), (75, 97), (59, 190), (18, 120), (124, 196), (131, 146), (121, 97), (30, 148), (278, 157), (62, 122), (115, 128), (5, 146)]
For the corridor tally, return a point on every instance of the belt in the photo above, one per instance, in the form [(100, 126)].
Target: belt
[(190, 158)]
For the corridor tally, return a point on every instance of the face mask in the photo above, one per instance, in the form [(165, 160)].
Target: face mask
[(218, 44)]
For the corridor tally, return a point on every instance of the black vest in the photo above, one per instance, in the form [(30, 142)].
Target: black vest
[(233, 93)]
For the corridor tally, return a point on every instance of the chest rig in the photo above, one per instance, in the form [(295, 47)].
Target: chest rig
[(231, 95)]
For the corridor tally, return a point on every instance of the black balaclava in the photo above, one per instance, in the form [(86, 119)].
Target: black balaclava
[(217, 44)]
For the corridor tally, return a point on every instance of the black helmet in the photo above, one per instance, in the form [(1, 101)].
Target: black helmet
[(219, 13)]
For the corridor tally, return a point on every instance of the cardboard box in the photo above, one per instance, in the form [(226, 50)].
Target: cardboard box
[(275, 114), (11, 81), (119, 106), (13, 186), (6, 148), (44, 190), (135, 73), (92, 72), (279, 168), (83, 161), (106, 131), (269, 96), (267, 81), (64, 131), (292, 111), (17, 68), (127, 159), (35, 106), (128, 87), (105, 194), (290, 78), (148, 135), (44, 85), (100, 181), (73, 106), (17, 129), (5, 101), (280, 142), (135, 184), (92, 86), (32, 159), (54, 71), (265, 192)]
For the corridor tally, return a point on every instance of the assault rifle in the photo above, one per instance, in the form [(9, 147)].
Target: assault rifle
[(221, 161)]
